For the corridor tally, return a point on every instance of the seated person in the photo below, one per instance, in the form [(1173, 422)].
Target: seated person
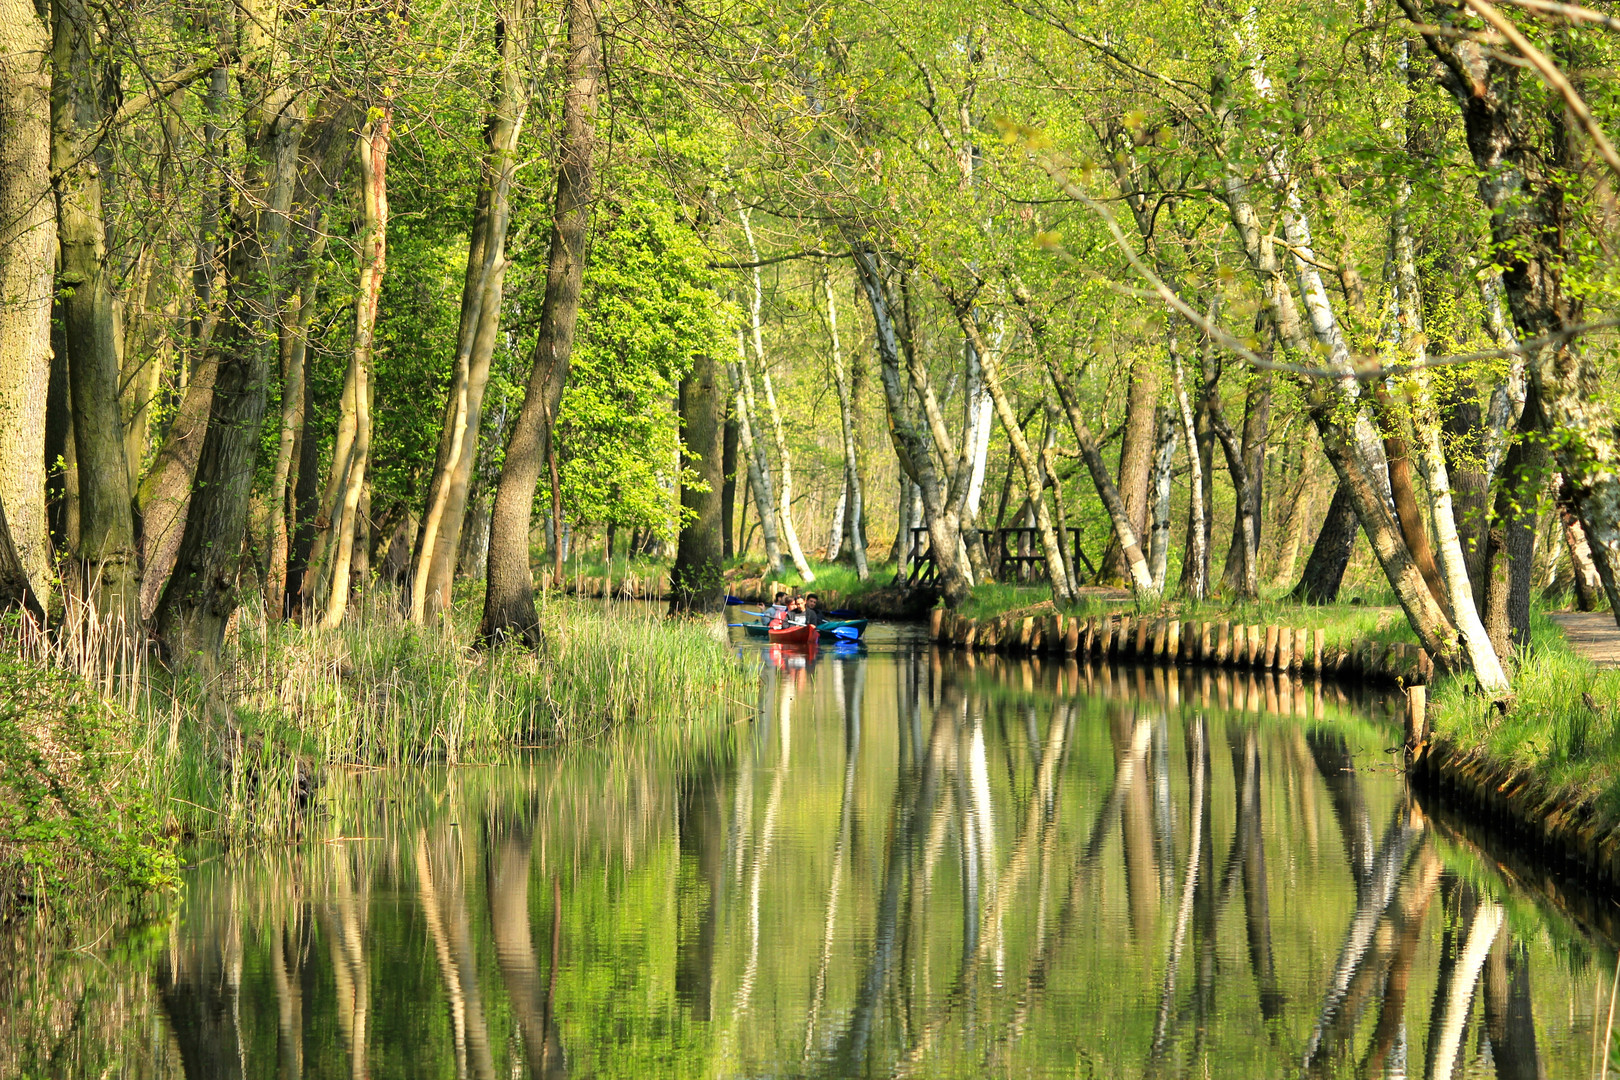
[(777, 606), (794, 616), (812, 610)]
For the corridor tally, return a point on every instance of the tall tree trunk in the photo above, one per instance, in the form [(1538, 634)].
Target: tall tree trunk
[(1167, 435), (509, 594), (27, 261), (1330, 554), (784, 490), (106, 557), (914, 443), (434, 562), (1407, 513), (696, 584), (201, 594), (728, 489), (165, 493), (1239, 575), (1477, 646), (855, 509), (1034, 476), (760, 484), (1521, 185), (1587, 585), (1135, 462), (371, 152), (1197, 583)]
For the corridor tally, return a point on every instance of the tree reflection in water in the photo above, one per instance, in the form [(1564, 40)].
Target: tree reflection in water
[(901, 862)]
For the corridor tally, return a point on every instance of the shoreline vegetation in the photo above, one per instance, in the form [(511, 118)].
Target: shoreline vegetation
[(107, 762)]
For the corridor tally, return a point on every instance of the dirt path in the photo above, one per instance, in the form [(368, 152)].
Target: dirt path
[(1593, 634)]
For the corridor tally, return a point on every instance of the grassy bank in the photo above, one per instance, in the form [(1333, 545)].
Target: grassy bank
[(1563, 726), (100, 772)]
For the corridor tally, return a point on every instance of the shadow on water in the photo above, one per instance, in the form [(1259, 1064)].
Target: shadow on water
[(902, 862)]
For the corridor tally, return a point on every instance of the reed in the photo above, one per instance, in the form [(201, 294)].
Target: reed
[(246, 747)]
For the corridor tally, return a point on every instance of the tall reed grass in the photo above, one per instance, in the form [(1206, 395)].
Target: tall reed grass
[(243, 748)]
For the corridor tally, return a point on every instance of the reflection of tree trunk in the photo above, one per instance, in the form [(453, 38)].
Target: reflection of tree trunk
[(1454, 996), (443, 899), (343, 923), (1256, 894), (850, 705), (1136, 819), (1510, 1022), (530, 1001), (702, 831), (1199, 732), (199, 981), (1333, 760), (1408, 928), (287, 969)]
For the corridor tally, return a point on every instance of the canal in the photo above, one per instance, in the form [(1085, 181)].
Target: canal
[(895, 862)]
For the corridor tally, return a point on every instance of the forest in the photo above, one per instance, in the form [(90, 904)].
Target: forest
[(310, 311)]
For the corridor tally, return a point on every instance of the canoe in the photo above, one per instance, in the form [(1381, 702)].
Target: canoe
[(752, 629), (842, 628), (792, 635)]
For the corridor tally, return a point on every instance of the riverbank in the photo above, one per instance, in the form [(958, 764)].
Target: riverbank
[(101, 774)]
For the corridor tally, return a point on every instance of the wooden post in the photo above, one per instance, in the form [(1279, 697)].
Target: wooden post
[(1172, 642), (1285, 649), (935, 618), (1417, 721), (1205, 643), (1240, 646), (971, 634), (1257, 644), (1088, 637), (1071, 636), (1268, 656), (1140, 645), (1319, 650), (1223, 642), (1026, 631), (1161, 631), (1105, 637)]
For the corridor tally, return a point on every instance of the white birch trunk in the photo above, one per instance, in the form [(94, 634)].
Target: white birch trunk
[(1195, 525)]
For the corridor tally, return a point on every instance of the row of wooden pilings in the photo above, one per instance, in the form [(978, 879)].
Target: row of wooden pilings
[(1150, 639)]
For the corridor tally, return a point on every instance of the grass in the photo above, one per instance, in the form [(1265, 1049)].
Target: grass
[(101, 755), (1564, 724)]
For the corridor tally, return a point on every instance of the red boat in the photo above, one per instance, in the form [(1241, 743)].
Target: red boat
[(792, 635)]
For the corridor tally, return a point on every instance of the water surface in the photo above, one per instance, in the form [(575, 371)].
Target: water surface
[(897, 862)]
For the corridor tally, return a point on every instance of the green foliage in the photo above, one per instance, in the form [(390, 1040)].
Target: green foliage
[(71, 815), (649, 307)]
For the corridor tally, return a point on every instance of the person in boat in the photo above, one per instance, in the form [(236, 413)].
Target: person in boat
[(794, 615), (778, 606), (812, 610)]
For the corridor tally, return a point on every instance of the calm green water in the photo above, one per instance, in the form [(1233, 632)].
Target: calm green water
[(897, 863)]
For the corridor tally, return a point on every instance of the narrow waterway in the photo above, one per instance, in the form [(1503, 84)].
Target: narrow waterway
[(898, 862)]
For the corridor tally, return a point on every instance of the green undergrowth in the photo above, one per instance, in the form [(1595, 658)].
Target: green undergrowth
[(76, 817), (837, 583), (1563, 724)]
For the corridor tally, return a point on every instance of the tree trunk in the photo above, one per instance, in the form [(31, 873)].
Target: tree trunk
[(1197, 584), (438, 541), (1135, 462), (728, 489), (1324, 569), (1521, 185), (1034, 478), (371, 152), (1587, 585), (1167, 435), (1510, 542), (696, 584), (855, 508), (759, 465), (27, 261), (1407, 513), (784, 491), (942, 501), (106, 559), (835, 530), (509, 594), (201, 594), (1239, 575)]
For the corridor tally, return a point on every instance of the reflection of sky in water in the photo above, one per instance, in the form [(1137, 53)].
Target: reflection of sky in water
[(905, 863)]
